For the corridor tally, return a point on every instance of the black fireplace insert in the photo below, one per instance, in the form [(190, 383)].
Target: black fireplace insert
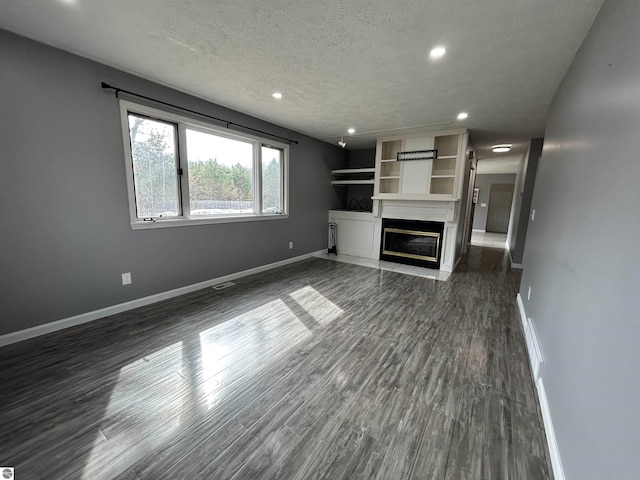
[(412, 242)]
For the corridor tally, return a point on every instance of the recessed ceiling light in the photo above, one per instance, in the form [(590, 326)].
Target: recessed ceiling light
[(504, 147), (438, 52), (351, 130), (462, 115), (277, 95)]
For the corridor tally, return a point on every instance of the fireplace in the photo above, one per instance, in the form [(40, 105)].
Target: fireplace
[(412, 242)]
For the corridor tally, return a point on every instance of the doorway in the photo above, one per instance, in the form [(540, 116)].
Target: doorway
[(499, 211)]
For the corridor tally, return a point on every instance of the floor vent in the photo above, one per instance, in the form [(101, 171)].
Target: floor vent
[(222, 286)]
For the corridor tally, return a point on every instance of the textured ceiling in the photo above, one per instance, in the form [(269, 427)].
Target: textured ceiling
[(499, 164), (362, 64)]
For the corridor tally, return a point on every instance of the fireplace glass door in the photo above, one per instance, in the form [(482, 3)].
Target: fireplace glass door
[(412, 242)]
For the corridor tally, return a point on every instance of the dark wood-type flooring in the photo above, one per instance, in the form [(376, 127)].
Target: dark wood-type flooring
[(316, 370)]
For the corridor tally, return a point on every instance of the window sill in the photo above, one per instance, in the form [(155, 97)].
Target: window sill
[(184, 222)]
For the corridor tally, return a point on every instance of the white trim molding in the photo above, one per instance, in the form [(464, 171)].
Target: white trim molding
[(523, 315), (531, 339), (51, 327), (554, 452), (537, 363)]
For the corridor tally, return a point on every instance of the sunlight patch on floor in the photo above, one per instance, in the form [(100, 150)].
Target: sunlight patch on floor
[(317, 305)]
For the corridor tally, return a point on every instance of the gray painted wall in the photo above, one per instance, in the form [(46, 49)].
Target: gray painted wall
[(483, 182), (581, 257), (523, 196), (516, 204), (463, 208), (363, 158), (357, 194), (65, 223)]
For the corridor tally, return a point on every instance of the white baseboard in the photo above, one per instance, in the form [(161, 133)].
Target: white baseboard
[(554, 452), (523, 315), (478, 230), (535, 353), (38, 330), (531, 339), (537, 363)]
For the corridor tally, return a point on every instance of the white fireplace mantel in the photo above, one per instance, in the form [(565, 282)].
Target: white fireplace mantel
[(428, 210), (425, 210)]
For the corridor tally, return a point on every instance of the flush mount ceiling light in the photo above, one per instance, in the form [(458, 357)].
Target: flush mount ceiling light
[(351, 131), (276, 95), (342, 143), (437, 52), (502, 148), (462, 115)]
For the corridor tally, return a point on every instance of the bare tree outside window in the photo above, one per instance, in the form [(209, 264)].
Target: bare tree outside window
[(154, 167)]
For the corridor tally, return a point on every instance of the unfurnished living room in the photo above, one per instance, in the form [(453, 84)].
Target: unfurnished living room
[(319, 240)]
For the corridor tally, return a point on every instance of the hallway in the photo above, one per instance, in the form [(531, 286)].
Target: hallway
[(488, 239)]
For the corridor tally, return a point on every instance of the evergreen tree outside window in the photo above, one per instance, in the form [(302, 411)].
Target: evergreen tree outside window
[(271, 179), (220, 174)]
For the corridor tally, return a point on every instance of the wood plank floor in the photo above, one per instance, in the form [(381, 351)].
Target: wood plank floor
[(317, 370)]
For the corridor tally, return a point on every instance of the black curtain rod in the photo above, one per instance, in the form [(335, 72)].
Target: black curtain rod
[(226, 122)]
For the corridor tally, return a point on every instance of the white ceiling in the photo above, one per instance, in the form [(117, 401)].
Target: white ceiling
[(361, 63)]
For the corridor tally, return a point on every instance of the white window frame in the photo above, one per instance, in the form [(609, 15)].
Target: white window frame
[(182, 123)]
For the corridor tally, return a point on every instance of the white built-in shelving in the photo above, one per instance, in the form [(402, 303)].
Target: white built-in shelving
[(425, 189), (350, 171), (427, 179), (352, 182), (354, 176)]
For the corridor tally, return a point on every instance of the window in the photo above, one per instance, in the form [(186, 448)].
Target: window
[(182, 171), (155, 162), (271, 184)]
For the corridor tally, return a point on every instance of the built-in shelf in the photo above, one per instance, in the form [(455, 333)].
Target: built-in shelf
[(391, 148), (352, 182), (358, 183), (437, 178), (351, 171)]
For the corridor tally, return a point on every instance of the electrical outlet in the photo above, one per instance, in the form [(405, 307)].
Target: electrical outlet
[(290, 245), (529, 294), (533, 214), (126, 278)]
